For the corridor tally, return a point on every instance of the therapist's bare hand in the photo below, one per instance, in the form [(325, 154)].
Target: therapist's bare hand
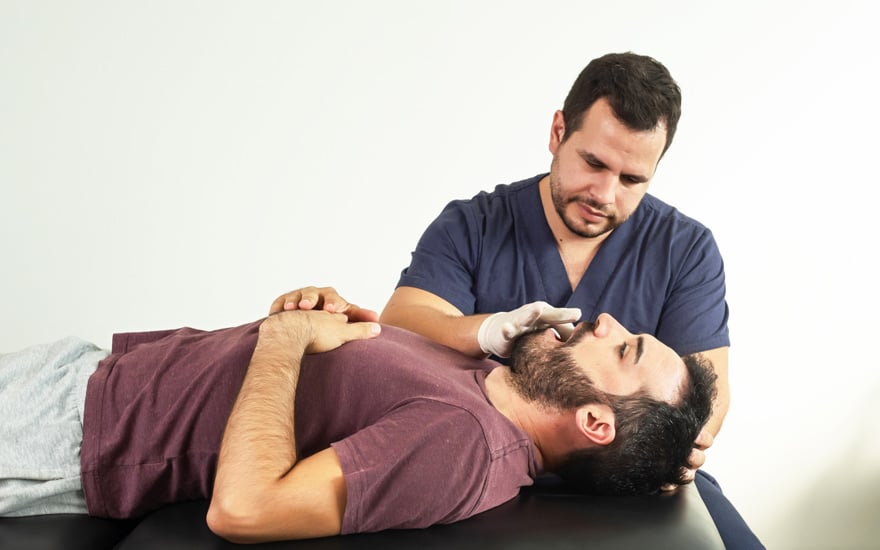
[(321, 298), (696, 459)]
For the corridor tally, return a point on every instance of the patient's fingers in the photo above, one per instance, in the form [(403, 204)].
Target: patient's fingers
[(324, 298), (310, 297), (278, 305), (333, 330), (361, 314)]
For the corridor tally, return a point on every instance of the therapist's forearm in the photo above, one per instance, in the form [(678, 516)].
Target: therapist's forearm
[(719, 412), (457, 332), (429, 315), (719, 359)]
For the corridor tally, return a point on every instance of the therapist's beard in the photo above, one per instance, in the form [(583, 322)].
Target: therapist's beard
[(549, 375)]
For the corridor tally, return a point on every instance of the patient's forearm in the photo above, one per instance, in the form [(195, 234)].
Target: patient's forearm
[(258, 444), (263, 491)]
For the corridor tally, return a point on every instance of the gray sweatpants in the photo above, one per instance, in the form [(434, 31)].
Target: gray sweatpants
[(42, 396)]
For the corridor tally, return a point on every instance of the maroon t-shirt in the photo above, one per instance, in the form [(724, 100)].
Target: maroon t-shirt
[(154, 417), (418, 440)]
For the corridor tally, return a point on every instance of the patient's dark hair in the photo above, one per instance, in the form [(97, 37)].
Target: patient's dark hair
[(653, 439), (639, 89)]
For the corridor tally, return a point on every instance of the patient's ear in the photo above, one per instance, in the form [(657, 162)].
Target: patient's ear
[(596, 423)]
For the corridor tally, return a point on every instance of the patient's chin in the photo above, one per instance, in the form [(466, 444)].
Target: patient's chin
[(528, 347)]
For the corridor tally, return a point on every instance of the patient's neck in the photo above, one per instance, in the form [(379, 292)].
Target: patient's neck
[(522, 413), (554, 432)]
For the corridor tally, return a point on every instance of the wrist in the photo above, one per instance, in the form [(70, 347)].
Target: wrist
[(286, 335), (485, 333)]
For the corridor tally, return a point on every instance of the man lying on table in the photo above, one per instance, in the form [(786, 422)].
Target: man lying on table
[(311, 423)]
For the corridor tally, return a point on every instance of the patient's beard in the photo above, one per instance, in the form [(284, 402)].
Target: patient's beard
[(550, 375)]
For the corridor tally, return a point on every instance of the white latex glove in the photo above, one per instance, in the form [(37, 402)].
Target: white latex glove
[(499, 331)]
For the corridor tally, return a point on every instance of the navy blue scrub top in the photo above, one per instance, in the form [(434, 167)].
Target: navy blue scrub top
[(660, 272)]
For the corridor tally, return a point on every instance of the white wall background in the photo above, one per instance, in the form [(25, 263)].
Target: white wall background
[(183, 162)]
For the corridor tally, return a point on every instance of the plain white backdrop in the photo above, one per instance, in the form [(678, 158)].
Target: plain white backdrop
[(173, 163)]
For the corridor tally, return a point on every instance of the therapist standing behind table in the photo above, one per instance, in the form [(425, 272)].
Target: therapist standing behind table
[(588, 236)]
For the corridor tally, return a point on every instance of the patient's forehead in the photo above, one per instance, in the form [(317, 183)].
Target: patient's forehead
[(671, 376)]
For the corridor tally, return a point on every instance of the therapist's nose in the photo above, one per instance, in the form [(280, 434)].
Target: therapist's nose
[(602, 188)]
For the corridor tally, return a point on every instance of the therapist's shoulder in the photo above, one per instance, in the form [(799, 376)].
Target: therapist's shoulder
[(656, 211), (517, 189), (503, 196)]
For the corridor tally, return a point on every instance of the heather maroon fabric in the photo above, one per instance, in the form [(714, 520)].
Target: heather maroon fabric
[(154, 417), (418, 440)]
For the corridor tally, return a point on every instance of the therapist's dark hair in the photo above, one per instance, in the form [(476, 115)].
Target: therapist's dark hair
[(653, 439), (640, 90)]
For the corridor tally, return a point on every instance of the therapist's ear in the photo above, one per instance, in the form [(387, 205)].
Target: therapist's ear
[(596, 423), (557, 131)]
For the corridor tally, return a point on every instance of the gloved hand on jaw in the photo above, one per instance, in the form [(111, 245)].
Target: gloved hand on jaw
[(499, 331)]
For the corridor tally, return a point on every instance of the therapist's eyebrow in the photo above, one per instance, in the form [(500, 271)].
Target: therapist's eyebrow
[(640, 347)]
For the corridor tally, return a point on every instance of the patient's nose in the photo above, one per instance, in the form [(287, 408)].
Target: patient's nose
[(606, 325)]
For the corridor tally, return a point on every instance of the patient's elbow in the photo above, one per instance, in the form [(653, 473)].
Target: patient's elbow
[(236, 524)]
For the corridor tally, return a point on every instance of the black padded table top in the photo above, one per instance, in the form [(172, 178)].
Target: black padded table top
[(542, 517)]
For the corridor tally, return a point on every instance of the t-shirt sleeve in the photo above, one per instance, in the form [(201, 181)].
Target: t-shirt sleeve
[(695, 313), (444, 260), (424, 463)]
